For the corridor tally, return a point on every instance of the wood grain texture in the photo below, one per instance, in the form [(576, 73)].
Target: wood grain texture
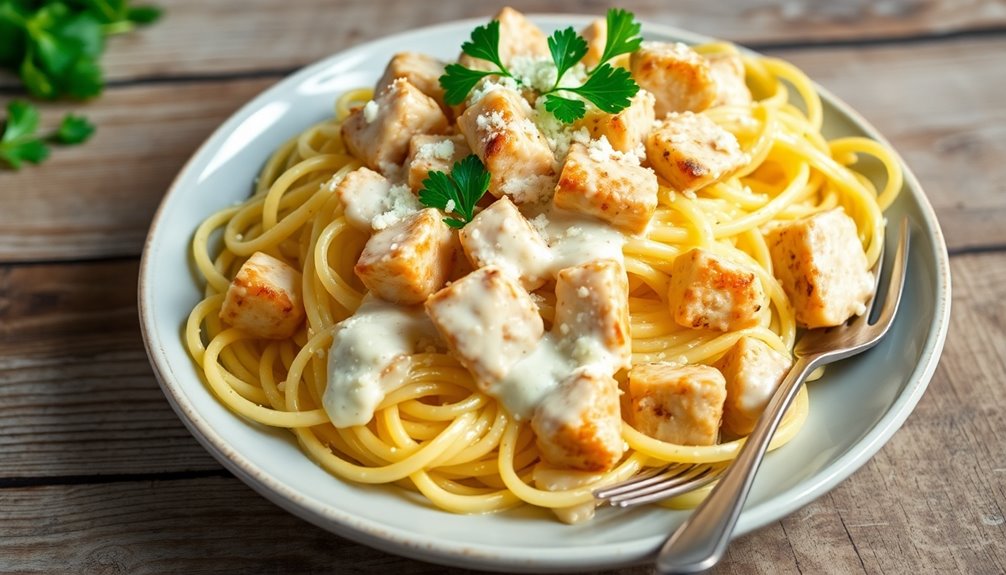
[(228, 36), (932, 500), (97, 200)]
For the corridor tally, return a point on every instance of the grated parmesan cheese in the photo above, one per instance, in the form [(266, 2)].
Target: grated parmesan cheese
[(399, 203), (370, 111), (439, 150)]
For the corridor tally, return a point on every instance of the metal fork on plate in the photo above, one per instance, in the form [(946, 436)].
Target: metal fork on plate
[(699, 543)]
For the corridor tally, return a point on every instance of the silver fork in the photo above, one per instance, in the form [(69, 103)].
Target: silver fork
[(699, 543)]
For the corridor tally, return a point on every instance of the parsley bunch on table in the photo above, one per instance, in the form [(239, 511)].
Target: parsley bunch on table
[(55, 46), (607, 87)]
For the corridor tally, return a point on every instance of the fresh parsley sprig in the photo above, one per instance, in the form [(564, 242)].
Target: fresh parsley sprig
[(55, 45), (456, 194), (20, 143), (609, 88)]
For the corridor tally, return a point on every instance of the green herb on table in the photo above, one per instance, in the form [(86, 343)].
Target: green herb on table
[(21, 143), (456, 194), (609, 88), (55, 46)]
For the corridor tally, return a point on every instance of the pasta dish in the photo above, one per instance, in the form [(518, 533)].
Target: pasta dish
[(537, 270)]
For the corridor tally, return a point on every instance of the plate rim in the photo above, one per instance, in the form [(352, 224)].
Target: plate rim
[(416, 545)]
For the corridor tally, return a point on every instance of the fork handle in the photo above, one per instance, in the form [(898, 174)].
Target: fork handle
[(700, 542)]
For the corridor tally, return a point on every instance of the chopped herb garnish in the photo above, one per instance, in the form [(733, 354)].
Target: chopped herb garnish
[(20, 142), (609, 88), (456, 194)]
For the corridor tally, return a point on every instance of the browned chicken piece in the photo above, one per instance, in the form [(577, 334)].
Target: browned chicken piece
[(500, 236), (421, 70), (407, 262), (626, 129), (592, 313), (364, 194), (488, 321), (596, 35), (678, 77), (731, 88), (379, 133), (680, 404), (264, 298), (691, 151), (579, 424), (433, 153), (498, 128), (710, 292), (820, 262), (753, 370), (616, 191)]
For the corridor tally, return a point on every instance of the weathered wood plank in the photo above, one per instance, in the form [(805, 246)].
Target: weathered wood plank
[(97, 200), (76, 388), (197, 37)]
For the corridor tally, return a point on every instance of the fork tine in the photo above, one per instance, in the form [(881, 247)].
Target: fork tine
[(897, 280), (878, 271), (700, 476), (643, 479)]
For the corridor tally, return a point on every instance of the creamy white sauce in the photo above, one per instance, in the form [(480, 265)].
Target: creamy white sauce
[(576, 239), (534, 377), (371, 356)]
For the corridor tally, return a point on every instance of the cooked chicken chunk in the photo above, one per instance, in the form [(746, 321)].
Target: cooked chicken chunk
[(592, 313), (488, 321), (379, 133), (421, 70), (710, 292), (408, 261), (500, 236), (596, 35), (822, 267), (518, 37), (731, 88), (264, 298), (579, 424), (433, 153), (364, 193), (626, 129), (753, 371), (680, 404), (677, 76), (691, 151), (616, 191), (499, 130)]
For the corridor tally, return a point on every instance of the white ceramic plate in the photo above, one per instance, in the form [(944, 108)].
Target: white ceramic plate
[(854, 410)]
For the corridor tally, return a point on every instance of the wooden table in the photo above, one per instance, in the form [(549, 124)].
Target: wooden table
[(98, 475)]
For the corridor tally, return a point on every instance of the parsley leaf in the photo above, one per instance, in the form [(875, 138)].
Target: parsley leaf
[(565, 109), (55, 45), (457, 81), (20, 143), (458, 192), (623, 35), (610, 89), (567, 48), (73, 130), (484, 44)]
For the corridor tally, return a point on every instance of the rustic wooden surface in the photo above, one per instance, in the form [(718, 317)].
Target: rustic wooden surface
[(97, 474)]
